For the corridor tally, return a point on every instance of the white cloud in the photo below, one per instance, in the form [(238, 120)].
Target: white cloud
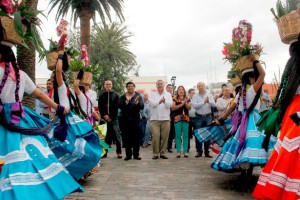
[(185, 38)]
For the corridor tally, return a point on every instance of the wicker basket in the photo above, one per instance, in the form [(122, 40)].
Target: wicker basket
[(52, 60), (1, 165), (86, 79), (235, 81), (289, 26), (10, 34), (244, 63)]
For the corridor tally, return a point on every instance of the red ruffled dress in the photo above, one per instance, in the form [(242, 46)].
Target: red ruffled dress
[(280, 179)]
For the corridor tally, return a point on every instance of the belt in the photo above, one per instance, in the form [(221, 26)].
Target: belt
[(205, 115)]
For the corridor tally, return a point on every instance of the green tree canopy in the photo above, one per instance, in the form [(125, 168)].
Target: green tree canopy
[(109, 49)]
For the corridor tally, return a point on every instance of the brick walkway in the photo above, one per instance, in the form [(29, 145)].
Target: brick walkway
[(175, 178)]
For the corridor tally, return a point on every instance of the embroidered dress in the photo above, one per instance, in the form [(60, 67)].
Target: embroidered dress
[(81, 151), (235, 155), (215, 134), (31, 170), (280, 178)]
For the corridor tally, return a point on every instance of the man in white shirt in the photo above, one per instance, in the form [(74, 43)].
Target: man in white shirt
[(203, 103), (160, 103), (223, 102)]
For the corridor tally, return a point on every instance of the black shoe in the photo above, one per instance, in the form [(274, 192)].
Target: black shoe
[(163, 157), (170, 151), (207, 155), (198, 155), (119, 156), (138, 158), (127, 158), (155, 157)]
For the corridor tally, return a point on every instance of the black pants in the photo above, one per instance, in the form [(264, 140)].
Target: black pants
[(171, 134), (113, 133), (131, 133)]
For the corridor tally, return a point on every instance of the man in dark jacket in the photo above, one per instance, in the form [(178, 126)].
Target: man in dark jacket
[(131, 103), (108, 107)]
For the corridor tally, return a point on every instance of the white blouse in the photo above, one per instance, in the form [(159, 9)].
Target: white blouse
[(8, 92), (250, 95), (86, 107)]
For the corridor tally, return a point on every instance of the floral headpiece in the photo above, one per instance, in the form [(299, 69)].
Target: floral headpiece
[(240, 45), (84, 56), (62, 31)]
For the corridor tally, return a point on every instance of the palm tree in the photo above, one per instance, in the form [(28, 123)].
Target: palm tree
[(86, 10), (109, 50), (26, 59)]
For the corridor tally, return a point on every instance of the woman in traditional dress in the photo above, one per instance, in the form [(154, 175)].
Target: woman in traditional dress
[(31, 170), (85, 102), (77, 145), (280, 179), (244, 149)]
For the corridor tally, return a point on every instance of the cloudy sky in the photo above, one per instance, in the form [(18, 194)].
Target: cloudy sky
[(185, 38)]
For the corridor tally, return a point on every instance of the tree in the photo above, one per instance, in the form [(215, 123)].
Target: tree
[(26, 59), (109, 50), (86, 10)]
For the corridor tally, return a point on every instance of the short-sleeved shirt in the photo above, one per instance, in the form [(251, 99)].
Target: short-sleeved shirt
[(8, 91), (250, 95), (86, 104)]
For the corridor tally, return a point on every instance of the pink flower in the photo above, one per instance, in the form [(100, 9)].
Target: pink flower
[(225, 51), (7, 6), (84, 55), (249, 36)]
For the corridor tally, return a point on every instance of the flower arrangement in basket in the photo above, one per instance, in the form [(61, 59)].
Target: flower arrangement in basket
[(54, 47), (234, 76), (77, 65), (238, 51), (20, 23), (288, 20)]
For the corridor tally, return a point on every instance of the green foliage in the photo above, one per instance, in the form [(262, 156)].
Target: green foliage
[(234, 71), (284, 8), (109, 49), (26, 22), (87, 7)]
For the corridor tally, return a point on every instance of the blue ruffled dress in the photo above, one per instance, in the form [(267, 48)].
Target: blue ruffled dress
[(252, 151), (81, 151)]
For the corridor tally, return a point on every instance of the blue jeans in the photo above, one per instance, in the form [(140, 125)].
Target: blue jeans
[(147, 133), (143, 128), (201, 122)]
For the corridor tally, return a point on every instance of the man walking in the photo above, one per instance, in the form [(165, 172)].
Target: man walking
[(160, 102), (203, 103), (108, 103), (131, 103)]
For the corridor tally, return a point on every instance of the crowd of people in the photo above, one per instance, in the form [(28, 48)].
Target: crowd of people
[(52, 152)]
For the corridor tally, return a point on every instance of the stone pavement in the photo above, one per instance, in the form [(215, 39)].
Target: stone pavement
[(175, 178)]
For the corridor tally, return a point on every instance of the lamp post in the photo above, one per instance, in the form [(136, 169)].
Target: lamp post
[(173, 79)]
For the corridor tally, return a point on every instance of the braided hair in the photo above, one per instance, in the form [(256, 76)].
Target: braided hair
[(8, 56), (291, 73), (74, 102)]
